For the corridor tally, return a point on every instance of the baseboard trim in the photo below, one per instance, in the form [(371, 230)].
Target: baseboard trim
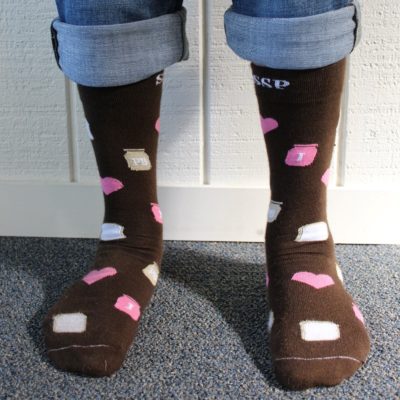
[(209, 213)]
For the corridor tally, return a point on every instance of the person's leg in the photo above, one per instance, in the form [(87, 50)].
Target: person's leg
[(102, 12), (293, 34), (297, 51), (286, 8), (116, 54), (109, 44)]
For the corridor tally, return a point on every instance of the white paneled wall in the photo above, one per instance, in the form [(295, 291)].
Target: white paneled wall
[(373, 127), (212, 164), (237, 151), (33, 117)]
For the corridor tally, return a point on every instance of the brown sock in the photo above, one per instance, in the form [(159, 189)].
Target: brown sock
[(91, 327), (317, 332)]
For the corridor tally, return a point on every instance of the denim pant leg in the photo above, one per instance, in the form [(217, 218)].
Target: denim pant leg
[(106, 12), (112, 43), (293, 34)]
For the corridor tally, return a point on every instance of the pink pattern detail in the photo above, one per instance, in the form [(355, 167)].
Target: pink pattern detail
[(267, 279), (325, 177), (129, 306), (98, 274), (357, 313), (301, 155), (158, 126), (316, 281), (110, 185), (268, 124), (155, 208)]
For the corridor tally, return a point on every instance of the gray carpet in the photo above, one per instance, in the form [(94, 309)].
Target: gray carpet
[(204, 334)]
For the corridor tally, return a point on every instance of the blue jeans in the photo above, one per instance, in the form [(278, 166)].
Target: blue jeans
[(104, 43)]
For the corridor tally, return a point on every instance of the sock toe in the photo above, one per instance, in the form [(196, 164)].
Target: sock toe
[(91, 360), (300, 374)]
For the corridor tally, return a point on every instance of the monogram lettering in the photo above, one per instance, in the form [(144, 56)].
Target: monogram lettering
[(270, 83), (159, 79)]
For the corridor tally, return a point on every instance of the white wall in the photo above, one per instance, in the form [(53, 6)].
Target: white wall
[(212, 159)]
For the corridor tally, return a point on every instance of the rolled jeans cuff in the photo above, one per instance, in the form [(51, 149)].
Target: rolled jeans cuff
[(294, 43), (119, 54)]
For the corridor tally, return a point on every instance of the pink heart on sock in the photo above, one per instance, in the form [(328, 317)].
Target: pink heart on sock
[(316, 281), (96, 275), (157, 126), (301, 155), (268, 124), (357, 313), (110, 185), (155, 208), (129, 306)]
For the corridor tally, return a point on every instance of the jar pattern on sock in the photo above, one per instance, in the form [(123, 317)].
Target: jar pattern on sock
[(312, 232), (152, 272), (274, 209), (137, 159), (129, 306), (112, 231), (70, 322), (155, 209), (157, 125), (97, 275), (301, 155), (88, 130), (110, 185)]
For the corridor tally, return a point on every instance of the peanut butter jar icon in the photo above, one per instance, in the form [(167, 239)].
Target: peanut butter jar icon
[(138, 159), (301, 155)]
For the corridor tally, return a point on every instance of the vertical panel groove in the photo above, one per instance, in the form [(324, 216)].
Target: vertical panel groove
[(204, 93), (342, 135), (70, 99)]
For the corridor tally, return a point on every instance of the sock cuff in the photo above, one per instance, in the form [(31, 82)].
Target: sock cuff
[(300, 86)]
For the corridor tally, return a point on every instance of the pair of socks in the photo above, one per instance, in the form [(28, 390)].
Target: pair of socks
[(317, 332)]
